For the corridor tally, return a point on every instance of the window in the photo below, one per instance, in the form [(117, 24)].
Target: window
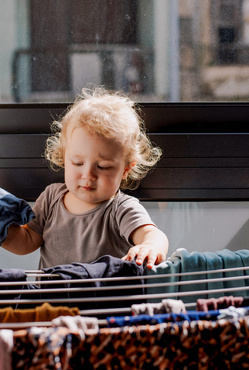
[(160, 50), (81, 30)]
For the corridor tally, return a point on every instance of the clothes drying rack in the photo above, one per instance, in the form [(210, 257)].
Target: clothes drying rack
[(162, 338), (127, 294)]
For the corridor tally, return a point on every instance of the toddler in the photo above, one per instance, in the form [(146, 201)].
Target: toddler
[(102, 146)]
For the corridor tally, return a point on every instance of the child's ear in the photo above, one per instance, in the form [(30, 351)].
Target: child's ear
[(127, 170)]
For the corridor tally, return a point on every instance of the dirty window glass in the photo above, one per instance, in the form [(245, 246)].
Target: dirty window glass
[(154, 50)]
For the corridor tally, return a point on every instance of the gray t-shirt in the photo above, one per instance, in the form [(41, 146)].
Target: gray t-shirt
[(85, 237)]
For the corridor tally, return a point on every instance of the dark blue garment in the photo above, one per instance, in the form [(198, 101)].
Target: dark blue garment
[(9, 275), (12, 275), (104, 267), (120, 321), (17, 276), (13, 210)]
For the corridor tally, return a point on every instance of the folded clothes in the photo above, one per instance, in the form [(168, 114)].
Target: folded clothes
[(13, 210)]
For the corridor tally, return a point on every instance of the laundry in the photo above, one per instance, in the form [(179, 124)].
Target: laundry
[(183, 261), (165, 334), (218, 303), (196, 345), (104, 267), (6, 347), (74, 323), (166, 306), (12, 275), (143, 319), (233, 313), (43, 348), (175, 345), (12, 211), (45, 312), (7, 275)]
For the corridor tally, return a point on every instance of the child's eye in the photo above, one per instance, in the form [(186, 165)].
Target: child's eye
[(103, 167), (77, 164)]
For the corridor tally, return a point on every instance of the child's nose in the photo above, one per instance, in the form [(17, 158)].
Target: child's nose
[(89, 173)]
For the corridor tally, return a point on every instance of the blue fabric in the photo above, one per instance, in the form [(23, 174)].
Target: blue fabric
[(183, 261), (104, 267), (120, 321), (9, 275), (13, 210)]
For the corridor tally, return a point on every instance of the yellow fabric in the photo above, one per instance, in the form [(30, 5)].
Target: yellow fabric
[(45, 312)]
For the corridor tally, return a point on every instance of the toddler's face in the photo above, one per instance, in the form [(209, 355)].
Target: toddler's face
[(94, 168)]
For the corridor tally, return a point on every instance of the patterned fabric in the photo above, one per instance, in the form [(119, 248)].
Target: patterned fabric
[(220, 344), (196, 345), (43, 348)]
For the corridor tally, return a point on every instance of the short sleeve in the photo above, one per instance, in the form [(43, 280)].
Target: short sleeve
[(130, 214), (43, 205)]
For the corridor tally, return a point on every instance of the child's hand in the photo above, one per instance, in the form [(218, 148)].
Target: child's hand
[(151, 244), (144, 252)]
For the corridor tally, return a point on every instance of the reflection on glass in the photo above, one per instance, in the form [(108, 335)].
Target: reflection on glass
[(155, 50)]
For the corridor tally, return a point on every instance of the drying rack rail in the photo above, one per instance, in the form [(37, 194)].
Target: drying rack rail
[(54, 287)]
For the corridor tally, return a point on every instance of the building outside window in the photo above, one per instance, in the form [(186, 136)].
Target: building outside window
[(155, 50)]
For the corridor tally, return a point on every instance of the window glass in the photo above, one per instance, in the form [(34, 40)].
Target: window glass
[(155, 50), (202, 226)]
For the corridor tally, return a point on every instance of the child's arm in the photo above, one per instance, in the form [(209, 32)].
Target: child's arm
[(22, 240), (150, 243)]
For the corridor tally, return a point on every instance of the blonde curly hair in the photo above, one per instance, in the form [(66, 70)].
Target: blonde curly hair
[(115, 116)]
